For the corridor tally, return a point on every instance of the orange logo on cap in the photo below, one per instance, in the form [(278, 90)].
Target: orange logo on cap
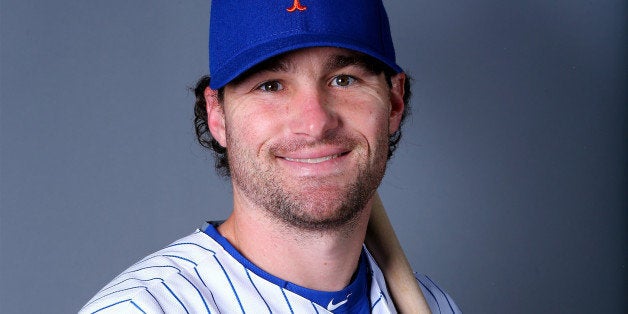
[(296, 6)]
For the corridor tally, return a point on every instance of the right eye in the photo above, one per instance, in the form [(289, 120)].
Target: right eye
[(343, 80), (270, 86)]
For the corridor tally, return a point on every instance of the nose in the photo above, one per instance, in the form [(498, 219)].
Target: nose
[(312, 114)]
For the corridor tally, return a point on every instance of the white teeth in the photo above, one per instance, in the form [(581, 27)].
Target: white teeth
[(311, 160)]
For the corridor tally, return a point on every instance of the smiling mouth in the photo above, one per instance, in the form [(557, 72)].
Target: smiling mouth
[(313, 160)]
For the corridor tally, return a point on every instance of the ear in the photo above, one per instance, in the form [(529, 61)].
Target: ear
[(396, 101), (215, 116)]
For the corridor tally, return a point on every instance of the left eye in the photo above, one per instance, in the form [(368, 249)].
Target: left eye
[(270, 86), (342, 80)]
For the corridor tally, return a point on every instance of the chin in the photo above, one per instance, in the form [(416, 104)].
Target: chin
[(322, 211)]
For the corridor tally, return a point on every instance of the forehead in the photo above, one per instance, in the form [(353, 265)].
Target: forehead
[(330, 58)]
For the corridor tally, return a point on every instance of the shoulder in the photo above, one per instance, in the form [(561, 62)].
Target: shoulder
[(436, 297), (164, 279)]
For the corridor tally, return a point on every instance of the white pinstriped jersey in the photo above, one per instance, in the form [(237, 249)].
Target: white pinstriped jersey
[(203, 273)]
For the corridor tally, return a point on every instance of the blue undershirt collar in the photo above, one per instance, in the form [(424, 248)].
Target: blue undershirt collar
[(352, 299)]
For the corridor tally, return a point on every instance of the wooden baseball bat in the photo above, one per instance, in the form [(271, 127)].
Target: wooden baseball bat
[(383, 244)]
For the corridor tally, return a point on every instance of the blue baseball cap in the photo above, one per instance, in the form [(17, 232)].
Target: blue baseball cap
[(243, 33)]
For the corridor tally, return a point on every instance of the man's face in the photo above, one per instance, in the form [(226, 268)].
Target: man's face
[(307, 135)]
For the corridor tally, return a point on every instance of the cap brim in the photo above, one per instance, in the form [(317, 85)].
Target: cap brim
[(258, 53)]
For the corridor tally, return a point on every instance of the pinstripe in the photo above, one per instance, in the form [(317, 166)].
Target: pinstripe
[(156, 278), (138, 307), (156, 300), (179, 257), (199, 292), (110, 305), (117, 291), (443, 292), (377, 301), (257, 290), (148, 267), (193, 244), (431, 293), (230, 283), (200, 262), (127, 289), (199, 277), (123, 290), (384, 297), (186, 279), (130, 279), (214, 300), (175, 296), (287, 301)]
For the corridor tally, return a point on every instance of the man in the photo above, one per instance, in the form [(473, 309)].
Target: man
[(303, 110)]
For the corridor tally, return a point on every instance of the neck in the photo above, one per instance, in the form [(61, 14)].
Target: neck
[(321, 260)]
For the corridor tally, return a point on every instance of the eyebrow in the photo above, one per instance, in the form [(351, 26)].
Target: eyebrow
[(345, 60), (274, 64), (335, 62)]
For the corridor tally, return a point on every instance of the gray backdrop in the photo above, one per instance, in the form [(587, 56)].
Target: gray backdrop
[(509, 188)]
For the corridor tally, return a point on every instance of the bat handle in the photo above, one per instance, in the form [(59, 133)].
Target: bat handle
[(383, 244)]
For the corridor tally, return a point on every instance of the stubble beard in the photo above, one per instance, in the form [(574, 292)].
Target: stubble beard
[(313, 205)]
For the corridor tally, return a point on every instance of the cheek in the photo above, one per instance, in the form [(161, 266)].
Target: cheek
[(369, 105), (249, 130), (371, 116), (376, 121)]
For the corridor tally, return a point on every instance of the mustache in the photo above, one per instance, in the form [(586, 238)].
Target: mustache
[(298, 143)]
